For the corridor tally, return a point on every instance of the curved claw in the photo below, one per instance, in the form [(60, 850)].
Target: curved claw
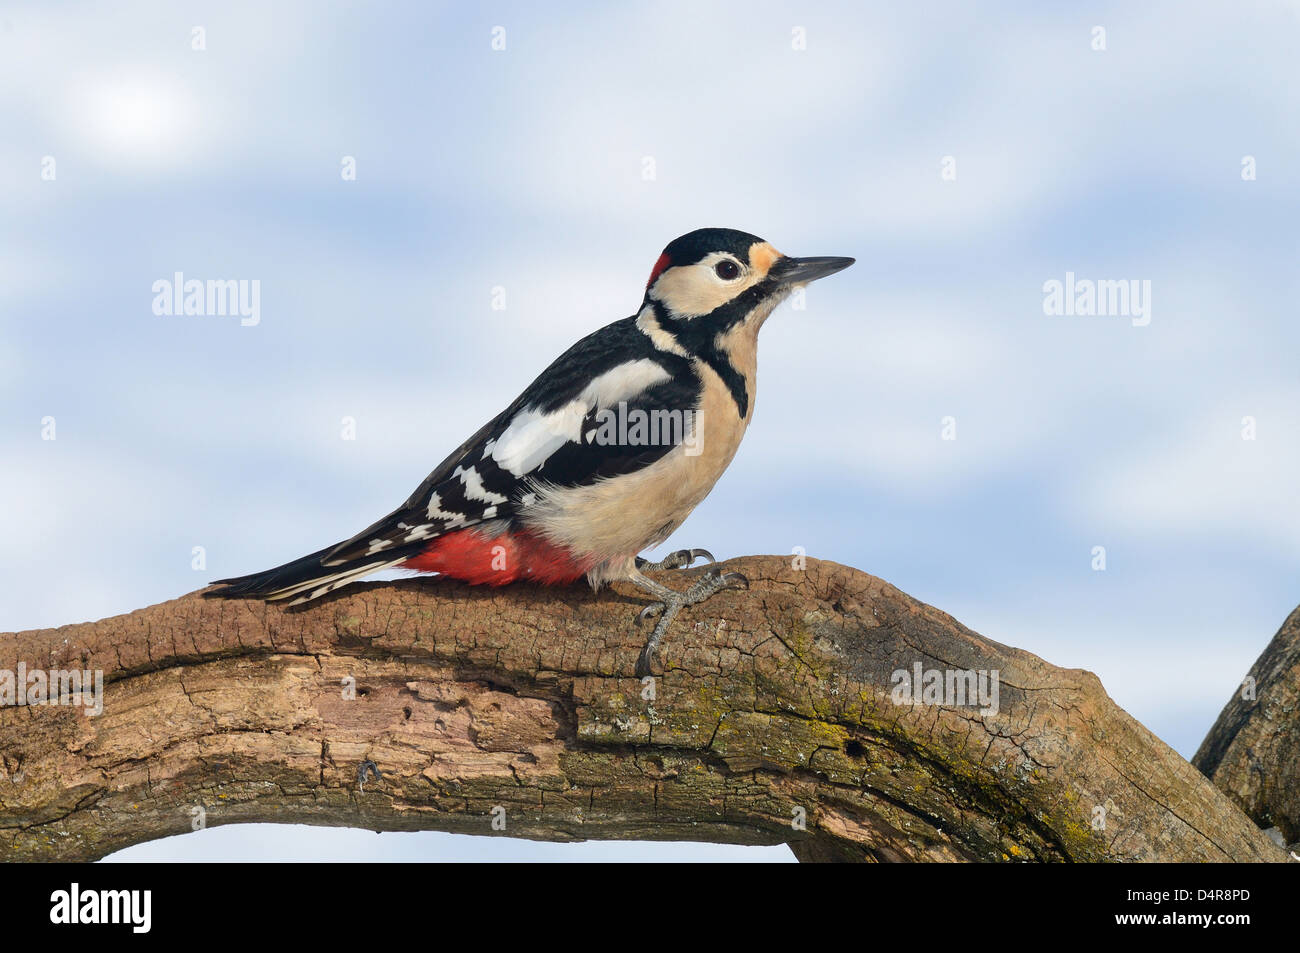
[(365, 770), (649, 612), (734, 580), (677, 559), (644, 661)]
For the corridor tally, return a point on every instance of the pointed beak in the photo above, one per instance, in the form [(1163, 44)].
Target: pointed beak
[(799, 271)]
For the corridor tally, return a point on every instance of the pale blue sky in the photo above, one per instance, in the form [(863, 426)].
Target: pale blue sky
[(522, 168)]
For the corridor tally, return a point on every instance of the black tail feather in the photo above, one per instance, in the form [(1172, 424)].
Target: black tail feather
[(262, 584)]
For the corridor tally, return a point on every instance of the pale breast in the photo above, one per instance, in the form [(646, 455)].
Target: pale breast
[(618, 518)]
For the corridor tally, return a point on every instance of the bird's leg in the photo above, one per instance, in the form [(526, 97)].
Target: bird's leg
[(678, 560), (671, 602)]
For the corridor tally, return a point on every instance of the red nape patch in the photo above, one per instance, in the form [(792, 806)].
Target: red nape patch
[(494, 561), (660, 265)]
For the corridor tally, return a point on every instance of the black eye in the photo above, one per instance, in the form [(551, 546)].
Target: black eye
[(727, 270)]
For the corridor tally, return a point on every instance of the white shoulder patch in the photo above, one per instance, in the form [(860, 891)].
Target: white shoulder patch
[(533, 436), (623, 382)]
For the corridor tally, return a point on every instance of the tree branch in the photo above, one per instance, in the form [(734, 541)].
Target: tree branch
[(772, 722), (1253, 751)]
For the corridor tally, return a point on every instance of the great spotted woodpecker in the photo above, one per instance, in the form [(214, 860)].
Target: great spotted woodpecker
[(602, 457)]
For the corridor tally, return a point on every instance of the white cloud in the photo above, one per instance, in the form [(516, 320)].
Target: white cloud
[(1204, 480), (136, 121)]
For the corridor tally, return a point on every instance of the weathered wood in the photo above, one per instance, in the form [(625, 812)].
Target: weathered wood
[(774, 704), (1253, 751)]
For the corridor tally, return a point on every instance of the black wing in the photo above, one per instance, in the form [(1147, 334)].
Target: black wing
[(488, 476)]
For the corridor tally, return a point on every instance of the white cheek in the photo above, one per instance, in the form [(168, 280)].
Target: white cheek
[(693, 290)]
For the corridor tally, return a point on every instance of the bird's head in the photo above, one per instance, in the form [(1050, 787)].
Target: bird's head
[(716, 278)]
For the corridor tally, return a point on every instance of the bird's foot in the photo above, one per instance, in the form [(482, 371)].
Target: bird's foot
[(681, 559), (672, 602), (365, 770)]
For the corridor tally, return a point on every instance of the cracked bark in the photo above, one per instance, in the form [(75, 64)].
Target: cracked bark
[(1253, 751), (772, 722)]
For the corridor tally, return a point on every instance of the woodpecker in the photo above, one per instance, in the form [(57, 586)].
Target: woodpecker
[(601, 457)]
